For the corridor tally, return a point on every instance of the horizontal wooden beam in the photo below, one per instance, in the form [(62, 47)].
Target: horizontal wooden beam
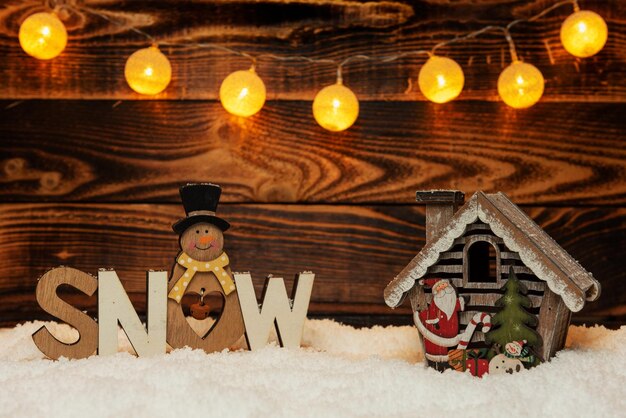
[(463, 240), (479, 300), (459, 269), (489, 299), (537, 286), (106, 151), (92, 66), (504, 255), (354, 250)]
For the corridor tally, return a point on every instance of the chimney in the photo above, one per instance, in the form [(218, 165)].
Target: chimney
[(440, 206)]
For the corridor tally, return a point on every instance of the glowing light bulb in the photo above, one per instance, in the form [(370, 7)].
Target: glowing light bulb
[(584, 33), (335, 107), (43, 36), (148, 71), (520, 85), (441, 79), (242, 93)]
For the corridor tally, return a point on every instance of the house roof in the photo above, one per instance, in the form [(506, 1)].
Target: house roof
[(537, 250)]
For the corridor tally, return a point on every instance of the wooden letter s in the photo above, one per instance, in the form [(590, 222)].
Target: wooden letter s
[(50, 302)]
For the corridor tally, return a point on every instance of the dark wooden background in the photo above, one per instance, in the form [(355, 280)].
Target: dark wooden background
[(89, 171)]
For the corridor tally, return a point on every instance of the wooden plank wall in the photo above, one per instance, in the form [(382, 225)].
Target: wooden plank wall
[(89, 171)]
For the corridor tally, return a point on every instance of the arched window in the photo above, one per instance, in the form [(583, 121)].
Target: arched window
[(481, 257), (481, 261)]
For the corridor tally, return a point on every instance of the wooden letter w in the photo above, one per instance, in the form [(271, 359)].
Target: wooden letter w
[(276, 309)]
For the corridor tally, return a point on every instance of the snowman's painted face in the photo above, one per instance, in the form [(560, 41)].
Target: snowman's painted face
[(202, 241), (513, 349)]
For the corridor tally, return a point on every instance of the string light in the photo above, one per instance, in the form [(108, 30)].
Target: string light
[(441, 79), (43, 36), (584, 33), (148, 71), (335, 107), (242, 93), (520, 85)]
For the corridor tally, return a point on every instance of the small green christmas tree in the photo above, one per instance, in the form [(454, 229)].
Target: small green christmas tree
[(513, 321)]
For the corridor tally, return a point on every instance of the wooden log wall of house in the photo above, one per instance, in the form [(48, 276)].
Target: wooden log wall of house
[(89, 171)]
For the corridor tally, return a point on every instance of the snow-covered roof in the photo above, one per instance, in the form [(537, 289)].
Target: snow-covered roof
[(537, 250)]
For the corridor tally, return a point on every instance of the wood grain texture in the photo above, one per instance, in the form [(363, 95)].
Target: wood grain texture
[(48, 299), (537, 286), (554, 319), (92, 65), (353, 250), (223, 334), (565, 154), (95, 184)]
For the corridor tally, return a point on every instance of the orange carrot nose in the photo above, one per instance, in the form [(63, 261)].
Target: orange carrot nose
[(204, 240)]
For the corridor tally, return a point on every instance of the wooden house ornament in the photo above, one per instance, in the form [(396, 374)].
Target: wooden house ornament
[(491, 292)]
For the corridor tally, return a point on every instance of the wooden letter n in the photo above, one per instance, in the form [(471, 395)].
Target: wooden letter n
[(114, 306)]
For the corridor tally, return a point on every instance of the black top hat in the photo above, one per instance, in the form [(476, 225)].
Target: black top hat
[(200, 201)]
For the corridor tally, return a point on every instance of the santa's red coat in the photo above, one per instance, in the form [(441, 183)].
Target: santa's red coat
[(445, 327)]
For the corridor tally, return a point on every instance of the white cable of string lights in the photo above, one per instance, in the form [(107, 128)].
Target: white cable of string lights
[(335, 107), (506, 31)]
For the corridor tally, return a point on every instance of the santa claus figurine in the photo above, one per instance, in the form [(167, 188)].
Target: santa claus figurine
[(439, 324)]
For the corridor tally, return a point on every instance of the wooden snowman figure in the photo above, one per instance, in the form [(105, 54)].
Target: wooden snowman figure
[(201, 268)]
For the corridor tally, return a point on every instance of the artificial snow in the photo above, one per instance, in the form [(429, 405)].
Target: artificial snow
[(341, 371)]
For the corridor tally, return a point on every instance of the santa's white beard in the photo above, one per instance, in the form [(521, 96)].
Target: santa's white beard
[(446, 301)]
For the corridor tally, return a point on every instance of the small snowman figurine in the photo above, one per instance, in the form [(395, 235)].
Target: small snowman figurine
[(521, 351), (202, 267)]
